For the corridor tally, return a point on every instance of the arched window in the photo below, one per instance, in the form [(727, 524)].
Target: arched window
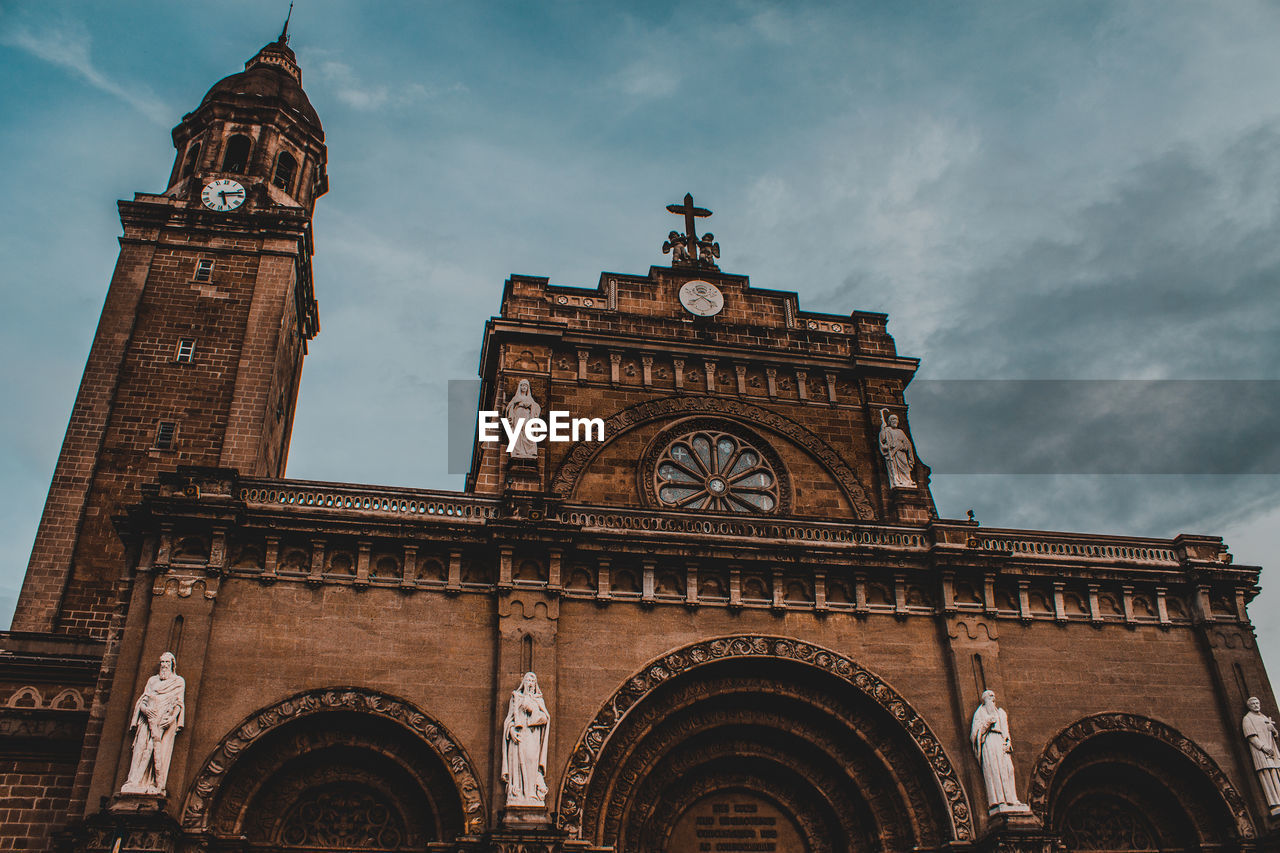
[(193, 155), (286, 168), (237, 156)]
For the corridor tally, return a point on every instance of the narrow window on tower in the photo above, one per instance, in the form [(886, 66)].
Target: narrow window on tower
[(204, 269), (166, 431), (237, 156), (186, 350), (286, 167), (193, 155)]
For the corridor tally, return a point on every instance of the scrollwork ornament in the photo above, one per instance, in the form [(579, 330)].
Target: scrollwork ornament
[(1075, 734), (577, 777), (209, 781)]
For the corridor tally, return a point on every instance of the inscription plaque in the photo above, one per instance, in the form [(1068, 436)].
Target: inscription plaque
[(735, 822)]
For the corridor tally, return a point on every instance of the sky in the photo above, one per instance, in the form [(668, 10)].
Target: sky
[(1069, 211)]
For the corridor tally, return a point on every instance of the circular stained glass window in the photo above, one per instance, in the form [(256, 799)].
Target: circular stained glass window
[(710, 470)]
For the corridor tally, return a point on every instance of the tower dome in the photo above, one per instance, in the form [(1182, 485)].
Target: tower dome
[(271, 78), (257, 129)]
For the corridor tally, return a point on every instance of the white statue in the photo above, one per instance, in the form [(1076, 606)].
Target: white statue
[(524, 745), (1264, 746), (522, 407), (895, 447), (158, 716), (989, 735)]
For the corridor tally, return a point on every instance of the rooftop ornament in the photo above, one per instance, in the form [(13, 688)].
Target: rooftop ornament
[(687, 249)]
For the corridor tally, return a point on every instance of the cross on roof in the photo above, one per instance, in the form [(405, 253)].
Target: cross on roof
[(686, 249), (689, 212)]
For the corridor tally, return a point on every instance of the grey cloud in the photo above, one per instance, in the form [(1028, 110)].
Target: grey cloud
[(1161, 506), (1099, 426), (1170, 276)]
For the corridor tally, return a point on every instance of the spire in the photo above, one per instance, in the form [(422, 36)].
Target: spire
[(278, 52), (284, 33)]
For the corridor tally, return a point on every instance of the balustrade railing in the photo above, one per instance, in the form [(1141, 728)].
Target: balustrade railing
[(458, 507)]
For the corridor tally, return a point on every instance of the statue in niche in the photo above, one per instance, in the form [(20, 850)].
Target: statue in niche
[(522, 407), (989, 735), (1264, 747), (158, 716), (678, 245), (524, 745), (895, 447)]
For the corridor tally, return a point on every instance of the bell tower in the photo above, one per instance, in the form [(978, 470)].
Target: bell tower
[(199, 349)]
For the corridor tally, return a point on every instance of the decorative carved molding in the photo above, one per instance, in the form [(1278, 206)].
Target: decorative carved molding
[(651, 758), (579, 458), (1229, 637), (582, 761), (183, 585), (204, 790), (973, 628), (1082, 730), (1102, 823), (262, 788), (344, 817)]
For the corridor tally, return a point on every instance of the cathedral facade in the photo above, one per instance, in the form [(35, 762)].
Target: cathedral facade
[(724, 617)]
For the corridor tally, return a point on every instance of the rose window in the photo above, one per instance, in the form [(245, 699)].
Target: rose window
[(715, 471)]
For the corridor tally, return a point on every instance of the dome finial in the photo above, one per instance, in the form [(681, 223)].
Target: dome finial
[(284, 33)]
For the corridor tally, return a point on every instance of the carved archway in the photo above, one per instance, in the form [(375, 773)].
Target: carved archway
[(1106, 749), (368, 745), (580, 456), (791, 722)]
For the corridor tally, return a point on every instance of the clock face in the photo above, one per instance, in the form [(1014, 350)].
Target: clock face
[(701, 298), (223, 194)]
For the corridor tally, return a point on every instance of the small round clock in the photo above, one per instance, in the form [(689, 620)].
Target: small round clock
[(223, 194), (701, 298)]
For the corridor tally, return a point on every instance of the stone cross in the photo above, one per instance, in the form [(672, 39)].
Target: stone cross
[(690, 236)]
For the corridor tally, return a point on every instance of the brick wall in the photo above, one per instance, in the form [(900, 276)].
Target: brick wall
[(33, 800), (231, 402)]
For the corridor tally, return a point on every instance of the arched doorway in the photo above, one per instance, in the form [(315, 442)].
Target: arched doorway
[(761, 744), (335, 770), (1121, 783)]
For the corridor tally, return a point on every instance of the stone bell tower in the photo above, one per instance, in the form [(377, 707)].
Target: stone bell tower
[(199, 350)]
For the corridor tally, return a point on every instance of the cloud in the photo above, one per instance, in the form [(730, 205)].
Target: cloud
[(1151, 505), (349, 89), (647, 79), (1161, 277), (67, 46)]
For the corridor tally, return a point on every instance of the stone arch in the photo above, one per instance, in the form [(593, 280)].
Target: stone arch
[(580, 456), (602, 798), (68, 700), (26, 697), (1130, 733), (323, 719)]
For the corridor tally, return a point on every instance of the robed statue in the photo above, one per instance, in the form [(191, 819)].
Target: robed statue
[(989, 735), (895, 447), (522, 408), (158, 716), (524, 745), (1264, 748)]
